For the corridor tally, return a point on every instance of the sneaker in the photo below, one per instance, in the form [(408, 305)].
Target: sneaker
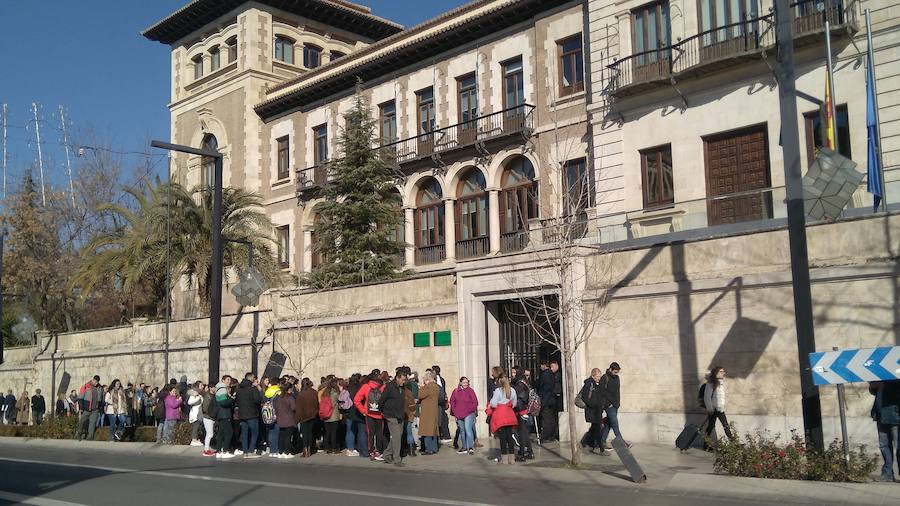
[(287, 455), (227, 455), (208, 453), (251, 456), (462, 452), (353, 453), (446, 441), (377, 457), (471, 451), (195, 442), (238, 452)]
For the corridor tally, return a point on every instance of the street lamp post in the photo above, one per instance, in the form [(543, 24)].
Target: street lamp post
[(215, 288)]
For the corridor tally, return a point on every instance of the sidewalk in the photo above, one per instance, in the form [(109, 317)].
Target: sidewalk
[(667, 470)]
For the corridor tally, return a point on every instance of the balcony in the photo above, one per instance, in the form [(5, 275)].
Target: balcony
[(314, 177), (430, 254), (471, 248), (723, 47), (514, 241)]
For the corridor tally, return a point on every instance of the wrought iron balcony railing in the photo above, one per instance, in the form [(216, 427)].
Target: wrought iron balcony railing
[(723, 46)]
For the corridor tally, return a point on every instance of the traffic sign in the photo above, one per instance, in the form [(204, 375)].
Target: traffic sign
[(855, 365)]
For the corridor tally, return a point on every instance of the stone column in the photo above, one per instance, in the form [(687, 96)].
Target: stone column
[(450, 228), (307, 250), (409, 236), (494, 219)]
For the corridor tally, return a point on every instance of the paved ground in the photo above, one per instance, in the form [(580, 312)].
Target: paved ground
[(54, 473)]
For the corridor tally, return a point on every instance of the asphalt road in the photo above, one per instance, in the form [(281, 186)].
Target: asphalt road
[(41, 476)]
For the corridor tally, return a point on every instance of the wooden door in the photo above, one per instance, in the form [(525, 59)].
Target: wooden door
[(738, 162)]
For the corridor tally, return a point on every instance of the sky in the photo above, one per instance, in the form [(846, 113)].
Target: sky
[(89, 57)]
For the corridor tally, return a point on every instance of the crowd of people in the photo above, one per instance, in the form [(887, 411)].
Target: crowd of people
[(381, 416), (23, 410)]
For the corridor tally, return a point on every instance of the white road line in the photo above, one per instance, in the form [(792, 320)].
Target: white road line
[(34, 501), (400, 497)]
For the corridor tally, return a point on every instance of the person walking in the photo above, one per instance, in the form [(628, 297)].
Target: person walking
[(429, 415), (592, 395), (713, 401), (367, 401), (224, 411), (393, 408), (886, 413), (463, 407), (609, 384), (503, 418), (116, 409), (306, 411), (285, 405), (551, 402), (23, 409), (90, 396), (38, 407)]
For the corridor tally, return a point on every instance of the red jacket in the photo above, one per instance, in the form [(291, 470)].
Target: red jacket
[(501, 416), (360, 401)]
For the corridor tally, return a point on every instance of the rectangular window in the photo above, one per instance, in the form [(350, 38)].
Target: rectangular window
[(198, 66), (468, 100), (513, 84), (320, 144), (723, 20), (656, 173), (284, 50), (388, 122), (579, 186), (651, 33), (571, 66), (232, 49), (312, 56), (283, 239), (815, 132), (425, 101), (284, 158), (214, 61)]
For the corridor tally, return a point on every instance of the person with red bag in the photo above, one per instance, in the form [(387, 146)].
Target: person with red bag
[(503, 418)]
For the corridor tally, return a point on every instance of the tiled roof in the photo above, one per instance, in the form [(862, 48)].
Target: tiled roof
[(337, 13)]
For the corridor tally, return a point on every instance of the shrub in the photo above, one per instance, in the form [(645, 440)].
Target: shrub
[(64, 428), (761, 455)]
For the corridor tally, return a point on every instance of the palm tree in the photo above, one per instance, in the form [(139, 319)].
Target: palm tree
[(134, 255)]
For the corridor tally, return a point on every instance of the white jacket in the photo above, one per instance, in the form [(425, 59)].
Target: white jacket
[(714, 399), (194, 401)]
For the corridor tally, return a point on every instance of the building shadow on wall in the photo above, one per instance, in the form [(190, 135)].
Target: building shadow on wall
[(64, 381), (275, 365)]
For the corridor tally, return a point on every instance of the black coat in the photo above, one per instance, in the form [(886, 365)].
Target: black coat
[(393, 402), (551, 388), (592, 395), (248, 400), (38, 404), (610, 386)]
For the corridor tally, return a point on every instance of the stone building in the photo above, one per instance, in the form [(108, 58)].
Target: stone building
[(650, 131)]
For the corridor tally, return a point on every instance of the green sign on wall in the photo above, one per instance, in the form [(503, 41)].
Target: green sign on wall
[(442, 338), (421, 340)]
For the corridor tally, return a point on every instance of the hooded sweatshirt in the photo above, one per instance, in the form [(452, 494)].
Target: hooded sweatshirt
[(361, 399)]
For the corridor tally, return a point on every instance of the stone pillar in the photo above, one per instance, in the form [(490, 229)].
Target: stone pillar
[(450, 228), (409, 235), (494, 219), (307, 250)]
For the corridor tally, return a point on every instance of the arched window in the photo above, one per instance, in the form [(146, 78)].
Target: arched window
[(284, 49), (197, 62), (429, 223), (208, 165), (472, 215), (215, 60), (518, 203), (232, 49), (312, 56)]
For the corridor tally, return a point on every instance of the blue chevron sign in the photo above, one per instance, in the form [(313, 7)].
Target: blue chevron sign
[(855, 365)]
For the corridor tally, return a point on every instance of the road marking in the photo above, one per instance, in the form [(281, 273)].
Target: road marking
[(311, 488), (34, 501)]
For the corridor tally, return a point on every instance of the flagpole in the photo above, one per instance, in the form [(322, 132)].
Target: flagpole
[(829, 68), (871, 62)]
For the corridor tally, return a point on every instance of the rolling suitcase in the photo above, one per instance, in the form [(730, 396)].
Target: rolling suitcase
[(688, 436), (634, 469)]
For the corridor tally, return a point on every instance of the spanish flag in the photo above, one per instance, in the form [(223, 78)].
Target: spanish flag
[(828, 129)]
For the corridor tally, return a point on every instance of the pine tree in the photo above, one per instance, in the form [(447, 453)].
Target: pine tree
[(360, 214)]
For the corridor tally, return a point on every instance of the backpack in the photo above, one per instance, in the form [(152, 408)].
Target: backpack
[(373, 400), (160, 411), (268, 412), (701, 402), (212, 410), (326, 407), (534, 403)]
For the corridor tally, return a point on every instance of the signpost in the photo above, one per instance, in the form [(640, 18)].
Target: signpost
[(839, 367)]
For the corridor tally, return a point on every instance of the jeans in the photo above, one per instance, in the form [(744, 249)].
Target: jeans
[(362, 440), (612, 423), (195, 429), (209, 427), (249, 434), (410, 437), (38, 417), (115, 421), (87, 423), (430, 444), (350, 436), (888, 444), (392, 452), (274, 438), (224, 436), (160, 428), (168, 429), (467, 435)]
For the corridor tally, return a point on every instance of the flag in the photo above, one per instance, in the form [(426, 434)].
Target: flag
[(874, 185), (828, 141)]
